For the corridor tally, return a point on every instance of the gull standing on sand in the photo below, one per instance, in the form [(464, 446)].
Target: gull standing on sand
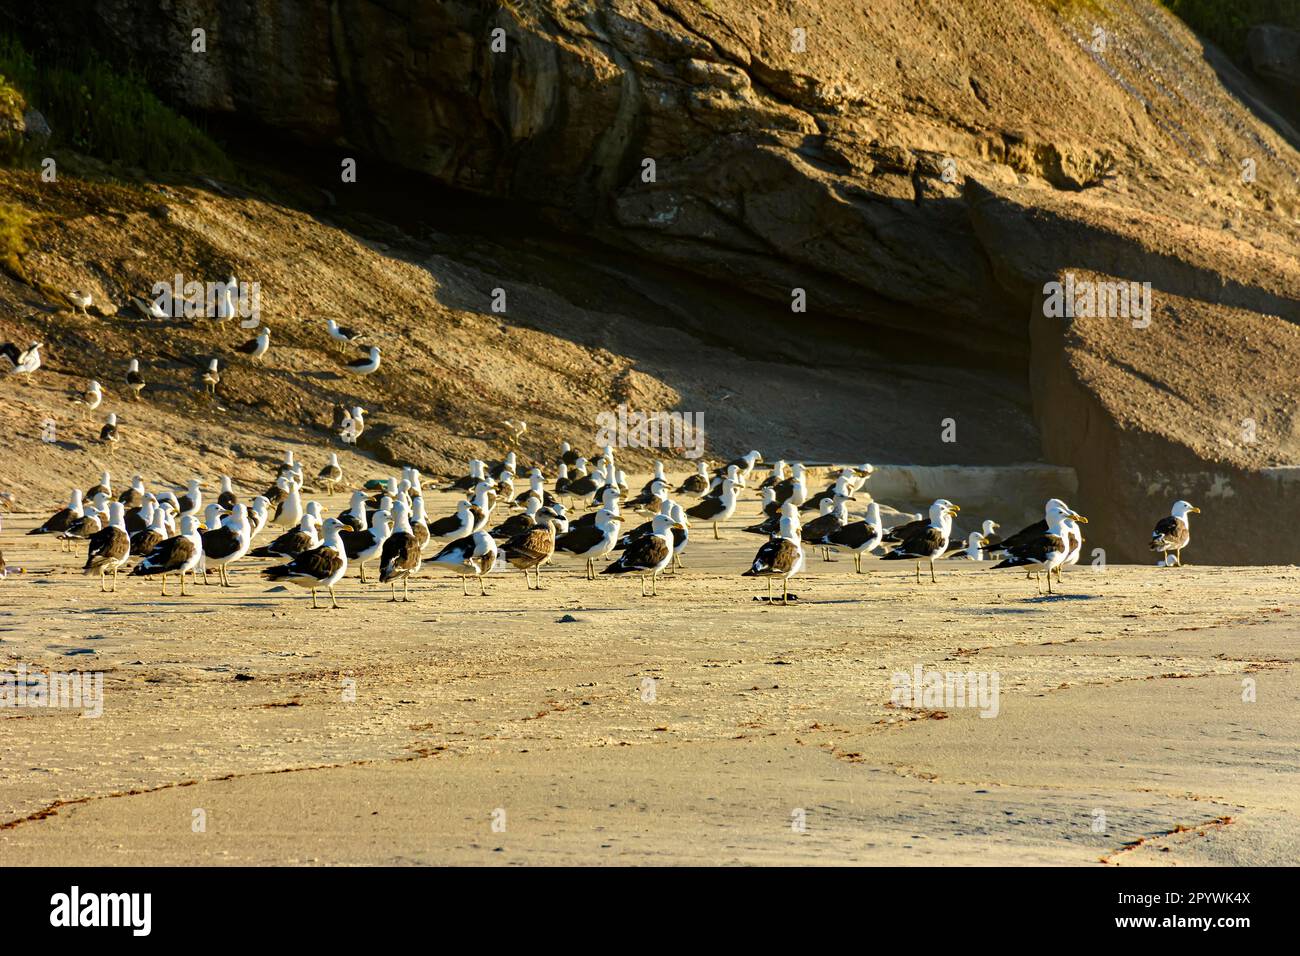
[(1048, 550), (224, 545), (648, 555), (930, 541), (400, 557), (59, 521), (143, 542), (696, 484), (110, 434), (781, 557), (531, 549), (860, 537), (717, 508), (331, 474), (80, 300), (340, 333), (191, 502), (592, 542), (256, 348), (472, 556), (134, 380), (973, 549), (293, 542), (176, 555), (289, 513), (361, 546), (89, 399), (1172, 533), (226, 495), (321, 567), (211, 378), (109, 547)]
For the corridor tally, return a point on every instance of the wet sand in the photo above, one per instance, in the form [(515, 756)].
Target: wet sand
[(700, 726)]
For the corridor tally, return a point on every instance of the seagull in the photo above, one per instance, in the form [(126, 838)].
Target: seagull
[(89, 399), (1048, 550), (744, 465), (696, 484), (134, 380), (16, 361), (226, 495), (109, 547), (150, 308), (1033, 532), (59, 521), (180, 554), (531, 549), (361, 546), (226, 544), (716, 508), (82, 527), (781, 557), (973, 550), (472, 556), (105, 486), (80, 300), (834, 516), (860, 537), (592, 542), (353, 425), (331, 474), (321, 567), (355, 515), (256, 348), (400, 557), (142, 542), (340, 333), (514, 430), (1173, 534), (520, 523), (190, 502), (293, 542), (211, 378), (930, 541), (648, 554), (134, 496), (364, 366), (289, 513), (109, 434)]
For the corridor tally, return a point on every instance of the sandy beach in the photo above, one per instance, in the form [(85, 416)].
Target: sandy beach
[(586, 724)]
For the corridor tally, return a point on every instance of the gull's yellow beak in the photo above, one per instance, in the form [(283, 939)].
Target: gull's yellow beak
[(1079, 518), (1197, 510), (984, 542)]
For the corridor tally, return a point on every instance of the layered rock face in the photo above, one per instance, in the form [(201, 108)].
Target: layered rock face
[(916, 168)]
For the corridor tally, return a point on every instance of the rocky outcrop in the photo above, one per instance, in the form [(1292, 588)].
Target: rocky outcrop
[(1133, 406), (788, 152)]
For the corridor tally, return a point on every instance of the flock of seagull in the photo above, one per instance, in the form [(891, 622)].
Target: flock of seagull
[(507, 520), (348, 423)]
